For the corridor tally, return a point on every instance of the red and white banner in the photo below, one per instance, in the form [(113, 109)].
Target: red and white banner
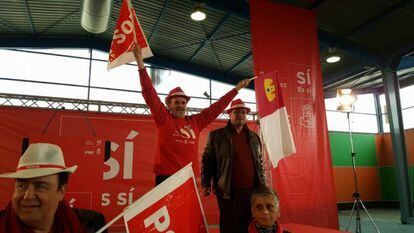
[(127, 32), (274, 121), (284, 38), (172, 206)]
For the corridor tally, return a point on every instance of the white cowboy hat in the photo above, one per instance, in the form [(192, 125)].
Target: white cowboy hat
[(40, 159)]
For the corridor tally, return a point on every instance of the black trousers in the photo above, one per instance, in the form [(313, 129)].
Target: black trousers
[(235, 213), (160, 179)]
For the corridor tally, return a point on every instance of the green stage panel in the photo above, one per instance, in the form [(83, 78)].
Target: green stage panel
[(364, 146), (388, 184)]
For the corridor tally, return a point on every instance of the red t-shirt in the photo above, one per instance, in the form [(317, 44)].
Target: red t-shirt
[(177, 142)]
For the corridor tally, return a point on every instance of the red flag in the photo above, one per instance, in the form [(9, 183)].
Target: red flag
[(127, 32), (172, 206), (274, 121)]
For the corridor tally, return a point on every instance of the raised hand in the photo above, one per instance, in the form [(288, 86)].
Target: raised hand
[(136, 50), (242, 83)]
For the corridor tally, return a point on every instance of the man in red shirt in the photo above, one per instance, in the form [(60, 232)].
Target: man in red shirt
[(232, 165), (177, 142)]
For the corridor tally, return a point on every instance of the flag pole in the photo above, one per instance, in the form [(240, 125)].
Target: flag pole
[(255, 77)]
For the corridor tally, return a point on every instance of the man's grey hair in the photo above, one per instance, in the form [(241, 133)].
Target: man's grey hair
[(264, 191)]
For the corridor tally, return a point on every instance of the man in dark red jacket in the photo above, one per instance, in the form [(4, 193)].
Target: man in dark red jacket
[(178, 134), (232, 168), (265, 211)]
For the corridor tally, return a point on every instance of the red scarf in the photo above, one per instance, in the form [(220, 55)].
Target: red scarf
[(65, 221), (252, 227)]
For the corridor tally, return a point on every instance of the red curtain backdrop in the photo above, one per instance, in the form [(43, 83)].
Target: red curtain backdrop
[(284, 39)]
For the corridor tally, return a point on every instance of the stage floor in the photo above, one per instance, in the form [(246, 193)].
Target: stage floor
[(386, 219)]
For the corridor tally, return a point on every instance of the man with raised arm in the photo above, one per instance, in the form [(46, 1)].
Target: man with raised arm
[(177, 142)]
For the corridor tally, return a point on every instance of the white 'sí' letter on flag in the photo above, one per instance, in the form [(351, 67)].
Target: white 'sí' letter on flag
[(274, 121), (173, 206), (127, 32)]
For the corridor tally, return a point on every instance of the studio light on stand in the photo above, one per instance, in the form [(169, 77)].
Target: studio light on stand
[(198, 14), (346, 102)]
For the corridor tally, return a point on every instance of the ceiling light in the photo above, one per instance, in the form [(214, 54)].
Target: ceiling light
[(333, 56), (198, 13), (333, 59), (346, 100)]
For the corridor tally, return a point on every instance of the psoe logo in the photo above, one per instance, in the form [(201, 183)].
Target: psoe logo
[(113, 163)]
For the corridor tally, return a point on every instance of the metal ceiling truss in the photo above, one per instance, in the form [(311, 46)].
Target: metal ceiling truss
[(377, 17), (348, 79), (71, 104), (360, 52), (11, 100), (10, 27), (189, 44), (66, 18), (207, 41), (204, 45), (157, 24), (368, 57), (241, 61), (29, 17)]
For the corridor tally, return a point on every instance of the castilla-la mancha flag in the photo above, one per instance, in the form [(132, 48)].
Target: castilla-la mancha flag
[(172, 206), (127, 32), (274, 121)]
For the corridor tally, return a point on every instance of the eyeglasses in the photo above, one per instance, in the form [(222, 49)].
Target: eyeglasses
[(239, 111), (179, 102)]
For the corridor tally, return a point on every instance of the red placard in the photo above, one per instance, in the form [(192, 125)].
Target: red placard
[(172, 206)]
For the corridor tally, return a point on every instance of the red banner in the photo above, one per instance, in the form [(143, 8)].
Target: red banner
[(285, 40), (172, 206), (108, 186)]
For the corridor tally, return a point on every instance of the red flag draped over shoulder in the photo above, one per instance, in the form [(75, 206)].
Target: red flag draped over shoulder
[(127, 32), (274, 121)]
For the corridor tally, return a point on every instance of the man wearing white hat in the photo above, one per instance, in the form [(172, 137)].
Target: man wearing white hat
[(37, 203), (177, 142), (232, 165)]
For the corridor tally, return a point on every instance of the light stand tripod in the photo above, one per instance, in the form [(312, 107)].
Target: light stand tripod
[(357, 202)]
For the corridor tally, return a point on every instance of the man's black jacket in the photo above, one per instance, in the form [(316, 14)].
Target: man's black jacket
[(217, 160)]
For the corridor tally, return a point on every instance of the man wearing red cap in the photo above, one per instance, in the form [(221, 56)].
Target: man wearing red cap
[(232, 165), (177, 142)]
